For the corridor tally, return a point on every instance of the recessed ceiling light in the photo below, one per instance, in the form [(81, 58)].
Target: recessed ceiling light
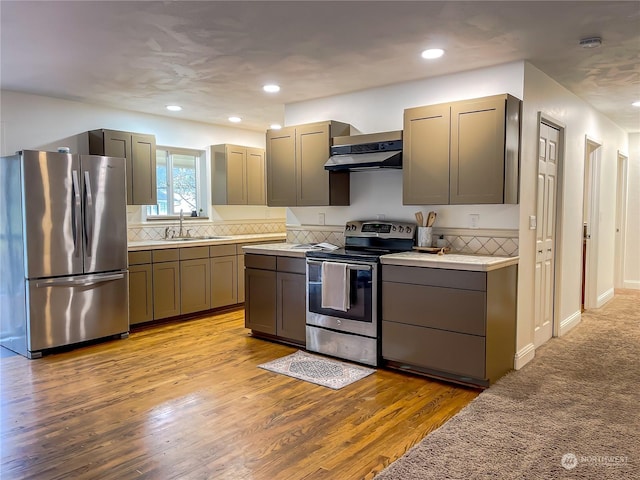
[(174, 108), (590, 42), (636, 104), (271, 88), (235, 119), (432, 53), (275, 126)]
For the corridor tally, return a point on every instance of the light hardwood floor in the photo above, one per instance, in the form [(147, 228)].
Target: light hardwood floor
[(185, 400)]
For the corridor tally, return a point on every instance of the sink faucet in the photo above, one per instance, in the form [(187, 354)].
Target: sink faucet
[(181, 218)]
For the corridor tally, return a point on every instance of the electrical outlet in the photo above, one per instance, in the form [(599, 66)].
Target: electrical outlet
[(533, 222), (321, 219), (380, 216), (474, 220)]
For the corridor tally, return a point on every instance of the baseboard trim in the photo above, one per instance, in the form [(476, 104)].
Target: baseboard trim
[(604, 298), (524, 356), (570, 323), (632, 284)]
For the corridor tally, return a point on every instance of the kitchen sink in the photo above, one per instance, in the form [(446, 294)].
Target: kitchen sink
[(204, 237)]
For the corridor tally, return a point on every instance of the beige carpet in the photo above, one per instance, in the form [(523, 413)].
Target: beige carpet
[(571, 413)]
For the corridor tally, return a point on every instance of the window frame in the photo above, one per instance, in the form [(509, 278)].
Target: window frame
[(201, 191)]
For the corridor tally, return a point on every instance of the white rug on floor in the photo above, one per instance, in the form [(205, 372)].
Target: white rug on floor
[(316, 369)]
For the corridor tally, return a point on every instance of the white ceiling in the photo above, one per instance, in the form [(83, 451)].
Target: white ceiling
[(213, 57)]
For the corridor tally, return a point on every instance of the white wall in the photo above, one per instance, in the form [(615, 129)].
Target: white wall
[(381, 109), (38, 122), (632, 255), (543, 94)]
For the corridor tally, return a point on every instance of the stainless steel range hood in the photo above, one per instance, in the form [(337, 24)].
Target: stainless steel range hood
[(366, 152)]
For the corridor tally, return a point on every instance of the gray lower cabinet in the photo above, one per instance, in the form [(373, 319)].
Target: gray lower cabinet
[(166, 283), (260, 281), (195, 280), (170, 282), (140, 287), (240, 276), (275, 297), (224, 275), (452, 324)]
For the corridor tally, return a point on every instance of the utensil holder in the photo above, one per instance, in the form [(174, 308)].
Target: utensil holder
[(424, 236)]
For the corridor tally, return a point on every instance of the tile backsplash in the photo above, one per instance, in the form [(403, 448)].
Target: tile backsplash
[(315, 234), (499, 242), (155, 230)]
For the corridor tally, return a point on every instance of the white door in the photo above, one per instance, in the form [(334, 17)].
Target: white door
[(621, 220), (545, 233)]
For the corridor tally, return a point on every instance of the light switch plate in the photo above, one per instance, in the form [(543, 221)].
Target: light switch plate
[(533, 222), (321, 219), (474, 220)]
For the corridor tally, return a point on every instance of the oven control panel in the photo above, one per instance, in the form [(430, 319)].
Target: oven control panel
[(379, 228)]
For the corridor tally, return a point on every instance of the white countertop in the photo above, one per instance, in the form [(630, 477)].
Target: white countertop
[(282, 249), (225, 240), (449, 261)]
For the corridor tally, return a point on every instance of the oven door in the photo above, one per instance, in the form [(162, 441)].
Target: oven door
[(361, 317)]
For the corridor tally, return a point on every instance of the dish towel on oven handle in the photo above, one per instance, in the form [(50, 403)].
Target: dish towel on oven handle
[(335, 286)]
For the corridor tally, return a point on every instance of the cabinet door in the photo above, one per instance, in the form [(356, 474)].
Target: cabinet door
[(291, 307), (118, 144), (312, 152), (477, 151), (224, 283), (240, 278), (281, 167), (425, 169), (260, 300), (256, 194), (143, 175), (140, 294), (166, 290), (236, 175), (195, 285)]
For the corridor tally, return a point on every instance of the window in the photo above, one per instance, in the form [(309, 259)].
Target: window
[(178, 179)]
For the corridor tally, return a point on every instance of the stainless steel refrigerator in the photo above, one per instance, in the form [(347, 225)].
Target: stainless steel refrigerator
[(63, 250)]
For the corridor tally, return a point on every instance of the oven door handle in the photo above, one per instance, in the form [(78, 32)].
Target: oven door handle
[(350, 266)]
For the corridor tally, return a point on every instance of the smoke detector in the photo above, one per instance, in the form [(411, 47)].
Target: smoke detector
[(591, 42)]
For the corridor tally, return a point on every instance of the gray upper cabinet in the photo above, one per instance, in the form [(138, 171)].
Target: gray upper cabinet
[(425, 172), (295, 166), (238, 175), (466, 152), (139, 150)]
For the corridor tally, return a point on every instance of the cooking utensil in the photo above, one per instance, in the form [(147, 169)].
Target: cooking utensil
[(420, 219), (431, 219)]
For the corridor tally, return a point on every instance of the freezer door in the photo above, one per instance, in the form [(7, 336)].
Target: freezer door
[(52, 214), (64, 311), (105, 213)]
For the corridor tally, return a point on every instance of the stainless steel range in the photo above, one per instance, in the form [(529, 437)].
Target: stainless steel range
[(343, 290)]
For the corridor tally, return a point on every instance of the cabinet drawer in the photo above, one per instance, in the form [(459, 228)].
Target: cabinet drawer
[(436, 307), (454, 353), (263, 262), (194, 252), (167, 255), (139, 258), (292, 265), (222, 250), (436, 277)]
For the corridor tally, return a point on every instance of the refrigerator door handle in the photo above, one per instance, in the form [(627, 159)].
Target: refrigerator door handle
[(88, 214), (85, 281), (75, 212)]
